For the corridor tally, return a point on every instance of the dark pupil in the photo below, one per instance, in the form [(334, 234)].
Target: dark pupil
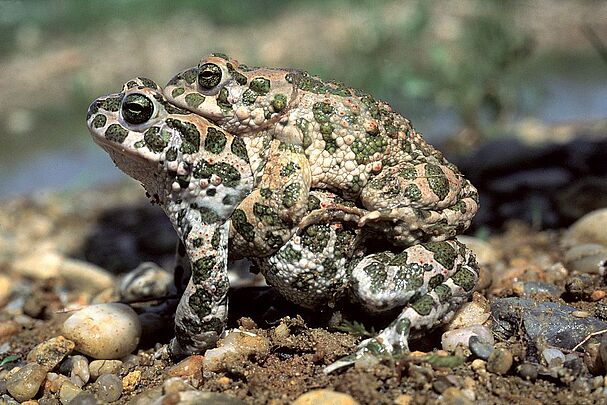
[(210, 76), (137, 109)]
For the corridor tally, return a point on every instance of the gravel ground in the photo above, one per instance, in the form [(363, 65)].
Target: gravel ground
[(536, 322)]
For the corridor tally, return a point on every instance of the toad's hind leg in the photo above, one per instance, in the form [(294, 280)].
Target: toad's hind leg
[(432, 280), (420, 202)]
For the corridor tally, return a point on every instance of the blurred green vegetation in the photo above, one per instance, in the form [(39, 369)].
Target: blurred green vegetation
[(471, 60)]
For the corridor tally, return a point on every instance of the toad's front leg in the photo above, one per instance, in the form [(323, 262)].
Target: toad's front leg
[(203, 309)]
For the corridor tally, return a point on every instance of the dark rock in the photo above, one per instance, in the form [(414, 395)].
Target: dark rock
[(480, 348)]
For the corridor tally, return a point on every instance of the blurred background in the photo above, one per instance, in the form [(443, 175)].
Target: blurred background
[(466, 72)]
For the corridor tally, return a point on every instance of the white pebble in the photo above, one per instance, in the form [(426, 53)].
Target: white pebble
[(452, 338), (104, 331)]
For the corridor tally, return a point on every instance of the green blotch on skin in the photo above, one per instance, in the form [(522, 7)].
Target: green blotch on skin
[(316, 237), (239, 148), (208, 216), (289, 255), (155, 139), (443, 292), (465, 279), (239, 77), (265, 193), (279, 103), (116, 133), (459, 206), (171, 154), (314, 85), (200, 302), (424, 305), (193, 100), (313, 203), (131, 83), (266, 215), (148, 83), (198, 242), (408, 173), (290, 195), (260, 85), (249, 97), (190, 137), (343, 243), (230, 177), (274, 241), (399, 259), (222, 100), (110, 104), (436, 281), (437, 181), (413, 192), (203, 269), (99, 121), (215, 141), (288, 169), (189, 76), (242, 226), (403, 326), (177, 91), (304, 127), (443, 252), (213, 325)]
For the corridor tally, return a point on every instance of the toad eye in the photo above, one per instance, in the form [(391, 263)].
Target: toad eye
[(209, 76), (137, 108)]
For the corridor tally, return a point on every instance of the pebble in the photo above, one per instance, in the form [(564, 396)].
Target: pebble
[(588, 229), (175, 384), (6, 286), (98, 367), (500, 361), (553, 357), (68, 392), (528, 371), (104, 331), (234, 349), (84, 398), (25, 383), (452, 338), (592, 358), (150, 396), (130, 381), (51, 352), (54, 382), (77, 367), (586, 258), (190, 367), (453, 396), (8, 329), (324, 397), (79, 275), (475, 312), (109, 387), (148, 280), (480, 348), (197, 398), (530, 288), (603, 349)]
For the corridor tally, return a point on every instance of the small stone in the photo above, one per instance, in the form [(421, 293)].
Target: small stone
[(452, 338), (199, 397), (6, 286), (190, 367), (234, 349), (603, 349), (51, 352), (282, 331), (500, 361), (25, 383), (109, 387), (403, 399), (104, 331), (78, 368), (98, 367), (150, 396), (528, 371), (68, 392), (324, 397), (175, 384), (84, 398), (148, 280), (453, 395), (597, 295), (592, 358), (480, 348), (8, 329), (553, 357), (130, 381), (588, 229), (54, 382), (475, 312)]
